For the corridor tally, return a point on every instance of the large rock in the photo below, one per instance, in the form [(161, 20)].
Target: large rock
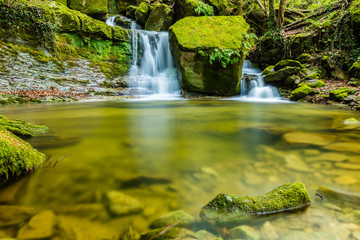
[(17, 157), (281, 75), (160, 18), (142, 13), (301, 92), (209, 53), (355, 16), (94, 8), (354, 71), (232, 210)]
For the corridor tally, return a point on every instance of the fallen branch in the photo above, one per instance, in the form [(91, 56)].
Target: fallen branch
[(263, 8), (292, 25), (167, 229)]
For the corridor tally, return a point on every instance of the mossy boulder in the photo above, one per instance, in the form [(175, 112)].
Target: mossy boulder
[(355, 15), (339, 94), (94, 8), (281, 75), (268, 70), (302, 43), (17, 157), (354, 71), (301, 92), (304, 58), (287, 63), (209, 52), (142, 13), (185, 8), (317, 84), (218, 5), (64, 2), (232, 210), (160, 18)]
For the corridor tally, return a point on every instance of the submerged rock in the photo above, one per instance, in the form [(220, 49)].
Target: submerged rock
[(41, 226), (337, 197), (318, 139), (229, 210), (299, 235), (244, 232), (209, 51), (171, 233), (14, 215), (120, 204), (180, 218)]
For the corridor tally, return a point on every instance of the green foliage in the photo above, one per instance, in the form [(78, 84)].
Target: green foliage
[(204, 9), (29, 23), (229, 56)]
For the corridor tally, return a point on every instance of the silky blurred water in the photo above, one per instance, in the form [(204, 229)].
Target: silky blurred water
[(201, 148)]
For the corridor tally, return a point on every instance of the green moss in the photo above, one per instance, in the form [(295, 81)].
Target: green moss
[(301, 92), (287, 63), (210, 32), (90, 7), (354, 71), (227, 210), (21, 128), (311, 76), (304, 58), (317, 84), (339, 94), (268, 70), (16, 157), (160, 18)]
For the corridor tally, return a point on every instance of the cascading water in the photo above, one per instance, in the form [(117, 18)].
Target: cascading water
[(253, 87), (153, 72), (111, 21)]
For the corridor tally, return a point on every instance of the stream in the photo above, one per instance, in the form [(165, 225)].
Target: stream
[(170, 155)]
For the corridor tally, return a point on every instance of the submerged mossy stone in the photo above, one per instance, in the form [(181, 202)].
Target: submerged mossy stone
[(287, 63), (230, 210), (301, 92), (21, 127), (160, 18), (281, 75), (339, 94), (92, 8), (212, 36), (17, 157)]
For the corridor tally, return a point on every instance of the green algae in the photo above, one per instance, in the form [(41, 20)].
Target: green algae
[(227, 210)]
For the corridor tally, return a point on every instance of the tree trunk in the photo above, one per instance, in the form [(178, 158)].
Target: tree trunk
[(272, 23), (281, 13)]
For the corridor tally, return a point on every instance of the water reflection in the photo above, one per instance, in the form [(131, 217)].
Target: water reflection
[(158, 157)]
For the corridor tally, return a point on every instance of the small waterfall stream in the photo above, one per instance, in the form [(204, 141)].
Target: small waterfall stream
[(153, 73), (253, 87)]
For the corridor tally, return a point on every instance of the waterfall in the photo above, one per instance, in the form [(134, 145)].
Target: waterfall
[(253, 87), (152, 72), (111, 21)]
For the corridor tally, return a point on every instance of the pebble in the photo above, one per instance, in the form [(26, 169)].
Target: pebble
[(344, 147), (244, 232), (119, 203), (268, 231), (294, 162)]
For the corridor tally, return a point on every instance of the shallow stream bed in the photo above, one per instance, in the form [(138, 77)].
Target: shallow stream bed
[(160, 156)]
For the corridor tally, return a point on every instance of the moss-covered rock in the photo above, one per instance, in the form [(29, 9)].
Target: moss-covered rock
[(21, 127), (317, 84), (355, 15), (354, 71), (64, 2), (339, 94), (301, 92), (17, 157), (160, 18), (209, 51), (186, 220), (218, 5), (94, 8), (268, 70), (304, 58), (142, 13), (230, 210), (185, 8), (281, 74), (287, 63)]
